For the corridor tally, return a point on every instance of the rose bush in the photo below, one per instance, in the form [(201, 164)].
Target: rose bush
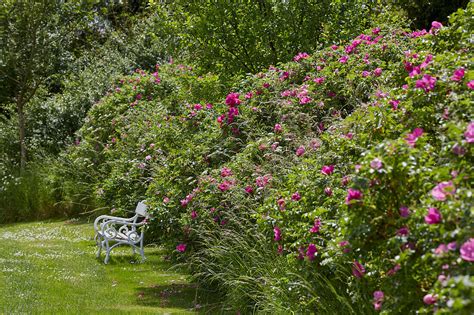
[(351, 167)]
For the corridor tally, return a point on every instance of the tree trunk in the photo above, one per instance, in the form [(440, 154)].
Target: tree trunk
[(21, 127)]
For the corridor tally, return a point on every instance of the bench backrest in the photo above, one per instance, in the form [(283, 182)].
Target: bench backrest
[(142, 209)]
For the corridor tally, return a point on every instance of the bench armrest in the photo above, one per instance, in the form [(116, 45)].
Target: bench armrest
[(105, 218), (110, 232)]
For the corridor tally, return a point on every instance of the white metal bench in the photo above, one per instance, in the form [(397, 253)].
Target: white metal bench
[(111, 231)]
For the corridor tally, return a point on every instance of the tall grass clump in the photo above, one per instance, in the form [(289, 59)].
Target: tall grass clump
[(237, 261)]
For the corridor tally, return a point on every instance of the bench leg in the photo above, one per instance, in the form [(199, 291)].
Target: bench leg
[(107, 251), (142, 252), (99, 245)]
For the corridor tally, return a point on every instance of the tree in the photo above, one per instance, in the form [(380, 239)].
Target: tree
[(34, 41)]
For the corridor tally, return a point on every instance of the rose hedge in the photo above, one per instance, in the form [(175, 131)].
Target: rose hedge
[(354, 162)]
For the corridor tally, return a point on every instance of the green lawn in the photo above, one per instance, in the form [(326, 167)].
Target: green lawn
[(51, 268)]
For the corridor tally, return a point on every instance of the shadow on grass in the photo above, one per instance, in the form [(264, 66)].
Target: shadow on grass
[(180, 295), (123, 255)]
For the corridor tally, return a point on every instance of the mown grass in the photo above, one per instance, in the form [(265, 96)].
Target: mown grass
[(50, 267)]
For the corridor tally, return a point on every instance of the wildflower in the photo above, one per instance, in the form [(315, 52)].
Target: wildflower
[(459, 150), (377, 72), (436, 25), (442, 190), (378, 305), (311, 252), (319, 80), (469, 134), (376, 31), (403, 231), (166, 200), (285, 93), (357, 269), (148, 158), (427, 61), (300, 56), (208, 105), (327, 169), (412, 137), (220, 119), (458, 75), (345, 180), (226, 172), (225, 185), (376, 164), (300, 151), (328, 191), (334, 47), (343, 59), (452, 245), (470, 85), (285, 75), (277, 234), (345, 246), (277, 128), (305, 100), (467, 250), (281, 204), (232, 99), (300, 253), (194, 214), (429, 299), (280, 249), (441, 249), (181, 248), (394, 104), (353, 194), (248, 189), (379, 295), (263, 181), (427, 83), (296, 196), (314, 144), (433, 216), (404, 211), (316, 226), (365, 73), (394, 270)]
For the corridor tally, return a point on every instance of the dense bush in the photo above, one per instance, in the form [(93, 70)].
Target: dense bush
[(339, 181)]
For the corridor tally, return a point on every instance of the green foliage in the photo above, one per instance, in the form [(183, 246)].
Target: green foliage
[(29, 197), (243, 37)]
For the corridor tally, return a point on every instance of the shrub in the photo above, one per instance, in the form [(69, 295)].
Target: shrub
[(345, 174)]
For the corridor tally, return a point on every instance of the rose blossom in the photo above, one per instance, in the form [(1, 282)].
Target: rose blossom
[(429, 299), (357, 269), (327, 169), (353, 194), (376, 164), (442, 190), (181, 247), (467, 250), (433, 216)]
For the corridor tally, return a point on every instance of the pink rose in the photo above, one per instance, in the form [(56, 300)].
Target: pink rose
[(181, 248), (467, 250), (429, 299), (433, 216)]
